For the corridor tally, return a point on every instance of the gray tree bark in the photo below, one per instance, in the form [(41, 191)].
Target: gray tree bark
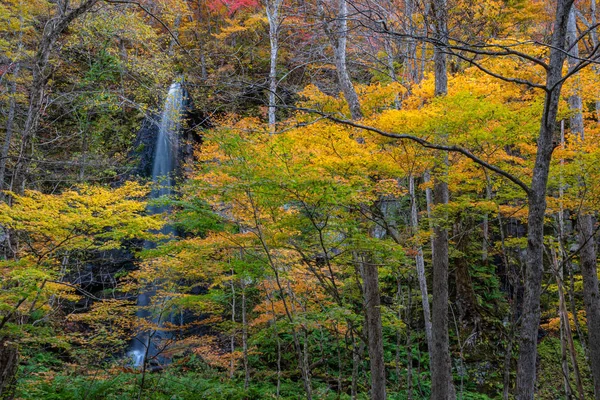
[(245, 336), (591, 296), (339, 51), (272, 7), (233, 331), (526, 375), (586, 222), (338, 38), (420, 263), (10, 123), (442, 386), (567, 344), (375, 328)]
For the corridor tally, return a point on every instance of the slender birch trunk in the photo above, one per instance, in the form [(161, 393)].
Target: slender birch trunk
[(233, 330), (273, 7), (420, 263), (245, 337), (338, 37), (566, 331)]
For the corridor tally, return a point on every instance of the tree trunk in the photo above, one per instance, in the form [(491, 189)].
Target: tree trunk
[(526, 376), (272, 7), (564, 360), (338, 41), (374, 327), (508, 355), (566, 329), (594, 38), (278, 342), (441, 377), (486, 222), (575, 102), (10, 123), (465, 295), (389, 51), (510, 334), (569, 340), (442, 386), (591, 296), (420, 263), (564, 320), (357, 351), (340, 64), (245, 337), (233, 330), (409, 357), (301, 348), (9, 360), (411, 63), (586, 222)]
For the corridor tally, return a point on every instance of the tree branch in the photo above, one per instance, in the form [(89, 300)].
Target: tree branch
[(86, 293), (421, 142), (498, 76)]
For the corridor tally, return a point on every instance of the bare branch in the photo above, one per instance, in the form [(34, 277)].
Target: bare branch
[(86, 293), (496, 75)]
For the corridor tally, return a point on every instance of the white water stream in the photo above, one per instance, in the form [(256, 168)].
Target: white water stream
[(164, 166)]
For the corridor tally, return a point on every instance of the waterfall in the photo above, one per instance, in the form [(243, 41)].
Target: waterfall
[(167, 142), (163, 167)]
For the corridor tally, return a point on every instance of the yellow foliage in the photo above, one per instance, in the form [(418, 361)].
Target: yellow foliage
[(51, 227)]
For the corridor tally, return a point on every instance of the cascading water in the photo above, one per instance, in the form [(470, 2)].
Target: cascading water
[(163, 167)]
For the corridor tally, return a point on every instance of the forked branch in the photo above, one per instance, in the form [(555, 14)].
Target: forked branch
[(422, 142)]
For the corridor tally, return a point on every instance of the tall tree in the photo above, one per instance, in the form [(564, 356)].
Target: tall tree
[(273, 8), (374, 327), (442, 387), (585, 221), (526, 376), (337, 32)]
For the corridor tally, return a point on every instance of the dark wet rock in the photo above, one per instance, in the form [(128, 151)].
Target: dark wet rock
[(143, 147)]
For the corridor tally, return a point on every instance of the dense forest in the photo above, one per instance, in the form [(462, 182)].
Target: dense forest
[(287, 199)]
